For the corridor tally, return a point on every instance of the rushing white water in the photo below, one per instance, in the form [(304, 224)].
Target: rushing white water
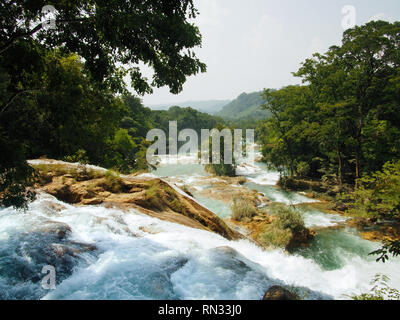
[(171, 262), (139, 257)]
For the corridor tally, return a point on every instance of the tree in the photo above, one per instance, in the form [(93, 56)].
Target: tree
[(353, 82), (378, 194), (108, 33), (48, 96), (290, 128)]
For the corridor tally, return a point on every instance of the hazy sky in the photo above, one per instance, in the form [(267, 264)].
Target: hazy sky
[(255, 44)]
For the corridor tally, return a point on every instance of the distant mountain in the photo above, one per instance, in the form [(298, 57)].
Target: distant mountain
[(209, 106), (244, 107)]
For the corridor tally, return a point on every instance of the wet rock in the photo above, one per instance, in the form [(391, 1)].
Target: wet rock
[(51, 207), (301, 238), (151, 196), (58, 229), (279, 293)]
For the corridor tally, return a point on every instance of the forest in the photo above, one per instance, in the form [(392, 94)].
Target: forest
[(330, 158), (342, 126), (63, 93)]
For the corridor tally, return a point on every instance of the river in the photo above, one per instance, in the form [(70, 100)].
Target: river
[(176, 262)]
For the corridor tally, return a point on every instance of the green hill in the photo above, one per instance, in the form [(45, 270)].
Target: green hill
[(244, 107), (209, 106)]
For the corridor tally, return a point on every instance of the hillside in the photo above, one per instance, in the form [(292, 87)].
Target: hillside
[(208, 106), (244, 107)]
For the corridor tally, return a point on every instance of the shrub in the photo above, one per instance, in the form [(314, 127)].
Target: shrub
[(380, 290), (377, 195), (153, 197), (242, 208), (280, 232), (288, 218), (222, 170), (80, 156)]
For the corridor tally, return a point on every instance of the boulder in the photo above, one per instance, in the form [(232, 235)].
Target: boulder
[(279, 293)]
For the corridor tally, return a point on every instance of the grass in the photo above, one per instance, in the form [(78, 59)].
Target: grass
[(112, 182), (280, 232), (185, 189), (243, 209), (153, 196), (160, 197)]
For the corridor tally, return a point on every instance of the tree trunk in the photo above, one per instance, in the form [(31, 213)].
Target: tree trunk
[(340, 167)]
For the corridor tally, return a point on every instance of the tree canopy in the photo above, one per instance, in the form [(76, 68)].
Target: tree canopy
[(343, 121), (62, 89)]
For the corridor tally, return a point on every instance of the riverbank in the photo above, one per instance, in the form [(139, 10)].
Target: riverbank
[(327, 194)]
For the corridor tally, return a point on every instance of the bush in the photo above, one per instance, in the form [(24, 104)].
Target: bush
[(153, 196), (288, 218), (377, 195), (222, 170), (280, 232), (243, 208), (80, 156)]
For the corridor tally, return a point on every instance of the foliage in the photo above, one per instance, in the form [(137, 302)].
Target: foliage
[(111, 33), (391, 247), (302, 169), (161, 197), (287, 218), (378, 194), (186, 118), (14, 183), (286, 221), (62, 92), (242, 209), (222, 168), (112, 182), (80, 156), (341, 121), (380, 290)]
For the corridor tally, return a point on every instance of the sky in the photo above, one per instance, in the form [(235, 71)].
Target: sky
[(255, 44)]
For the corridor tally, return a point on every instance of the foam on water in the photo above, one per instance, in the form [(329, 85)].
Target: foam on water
[(316, 218), (173, 262), (139, 257)]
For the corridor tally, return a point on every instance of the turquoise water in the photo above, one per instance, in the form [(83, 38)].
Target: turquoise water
[(173, 261), (332, 249), (179, 170), (220, 208)]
